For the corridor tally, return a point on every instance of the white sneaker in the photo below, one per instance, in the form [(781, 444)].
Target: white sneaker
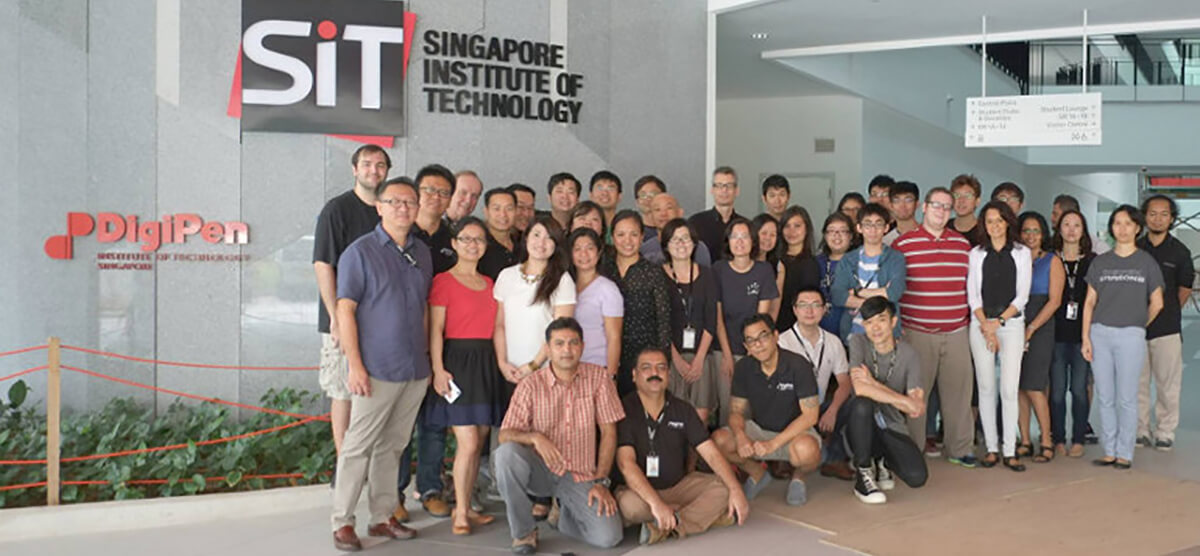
[(883, 476), (865, 488)]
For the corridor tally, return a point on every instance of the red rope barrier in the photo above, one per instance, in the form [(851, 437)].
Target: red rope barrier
[(191, 365), (173, 446), (22, 350), (268, 476), (23, 373), (191, 396)]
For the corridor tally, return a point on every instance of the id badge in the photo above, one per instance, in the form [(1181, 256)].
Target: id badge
[(1072, 310), (689, 338), (652, 467)]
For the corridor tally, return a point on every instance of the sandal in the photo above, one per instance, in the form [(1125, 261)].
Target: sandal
[(1042, 456), (1014, 463), (1024, 449), (990, 460)]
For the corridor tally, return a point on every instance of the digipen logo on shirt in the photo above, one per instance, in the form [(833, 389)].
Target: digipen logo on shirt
[(111, 227), (323, 66), (675, 424), (752, 289), (785, 386)]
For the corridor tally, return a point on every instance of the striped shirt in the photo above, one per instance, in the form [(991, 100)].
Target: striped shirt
[(567, 414), (935, 299)]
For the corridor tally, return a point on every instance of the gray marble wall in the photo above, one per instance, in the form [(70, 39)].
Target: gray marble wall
[(120, 105)]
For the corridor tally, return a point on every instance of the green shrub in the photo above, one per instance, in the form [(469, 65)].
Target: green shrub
[(123, 424)]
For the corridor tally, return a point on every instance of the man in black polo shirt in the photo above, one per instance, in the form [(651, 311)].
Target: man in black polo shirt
[(499, 207), (653, 442), (1164, 346), (710, 224), (773, 407)]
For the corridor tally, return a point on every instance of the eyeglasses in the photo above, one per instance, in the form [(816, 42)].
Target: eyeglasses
[(647, 195), (469, 240), (764, 336), (905, 200), (1007, 198), (739, 236), (873, 225), (680, 241), (813, 305), (397, 203), (605, 187), (939, 206), (1037, 231), (961, 195), (443, 193), (724, 184), (837, 232)]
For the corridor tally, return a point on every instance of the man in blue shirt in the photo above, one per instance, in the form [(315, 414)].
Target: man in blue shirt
[(383, 288)]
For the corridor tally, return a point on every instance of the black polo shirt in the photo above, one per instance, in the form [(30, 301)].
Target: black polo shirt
[(678, 429), (1175, 261), (775, 400), (344, 219), (711, 229), (497, 257), (444, 257)]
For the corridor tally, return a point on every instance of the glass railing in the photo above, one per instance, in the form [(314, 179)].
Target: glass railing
[(1126, 68)]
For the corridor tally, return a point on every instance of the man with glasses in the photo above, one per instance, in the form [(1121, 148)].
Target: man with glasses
[(902, 198), (654, 442), (966, 191), (878, 190), (382, 292), (874, 269), (664, 208), (934, 316), (344, 219), (825, 353), (605, 190), (1011, 194), (645, 190), (773, 406), (710, 224)]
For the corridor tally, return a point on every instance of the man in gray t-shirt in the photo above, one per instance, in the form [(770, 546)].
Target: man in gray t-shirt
[(886, 375)]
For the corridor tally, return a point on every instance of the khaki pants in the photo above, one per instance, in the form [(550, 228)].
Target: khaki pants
[(1164, 362), (946, 360), (699, 500), (380, 427)]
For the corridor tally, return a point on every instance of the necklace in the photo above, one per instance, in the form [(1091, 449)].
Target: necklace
[(529, 278)]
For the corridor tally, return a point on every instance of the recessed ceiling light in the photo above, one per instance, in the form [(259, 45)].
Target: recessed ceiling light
[(760, 36)]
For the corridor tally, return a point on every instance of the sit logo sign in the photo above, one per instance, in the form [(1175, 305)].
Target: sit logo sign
[(323, 66)]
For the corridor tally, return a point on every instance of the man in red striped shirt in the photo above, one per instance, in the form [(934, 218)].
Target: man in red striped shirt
[(548, 445), (934, 315)]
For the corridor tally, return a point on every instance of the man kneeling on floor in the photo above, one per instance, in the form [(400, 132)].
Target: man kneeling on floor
[(653, 442), (548, 446), (773, 407), (882, 367)]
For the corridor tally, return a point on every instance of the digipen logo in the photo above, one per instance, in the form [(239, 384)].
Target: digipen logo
[(323, 66), (111, 227)]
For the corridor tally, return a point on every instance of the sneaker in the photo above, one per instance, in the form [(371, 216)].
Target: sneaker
[(651, 534), (883, 476), (1090, 437), (752, 487), (1145, 442), (436, 506), (1164, 445), (865, 488), (797, 493), (969, 461), (931, 449)]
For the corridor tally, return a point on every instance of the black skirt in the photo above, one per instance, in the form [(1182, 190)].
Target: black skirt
[(473, 365), (1035, 365)]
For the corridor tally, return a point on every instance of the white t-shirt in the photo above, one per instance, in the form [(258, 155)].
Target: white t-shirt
[(525, 322), (828, 357)]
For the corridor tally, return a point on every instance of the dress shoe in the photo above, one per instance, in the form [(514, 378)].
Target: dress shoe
[(436, 506), (838, 469), (346, 540), (391, 529), (525, 545)]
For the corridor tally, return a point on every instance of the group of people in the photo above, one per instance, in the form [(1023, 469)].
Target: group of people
[(610, 368)]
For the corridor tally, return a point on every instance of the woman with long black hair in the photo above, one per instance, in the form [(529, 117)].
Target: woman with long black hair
[(647, 294), (1069, 371)]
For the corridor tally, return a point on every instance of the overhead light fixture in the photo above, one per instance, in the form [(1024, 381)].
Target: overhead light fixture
[(760, 36)]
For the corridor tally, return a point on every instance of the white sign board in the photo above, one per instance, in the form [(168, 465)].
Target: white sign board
[(1033, 121)]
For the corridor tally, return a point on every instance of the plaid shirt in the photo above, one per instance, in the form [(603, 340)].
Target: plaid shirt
[(567, 414)]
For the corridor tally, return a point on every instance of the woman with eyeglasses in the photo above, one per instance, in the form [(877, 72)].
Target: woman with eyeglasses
[(850, 204), (694, 364), (744, 287), (1069, 371), (998, 275), (1045, 295), (1125, 294), (462, 321), (798, 268), (837, 237), (647, 297), (874, 269), (599, 307), (766, 233)]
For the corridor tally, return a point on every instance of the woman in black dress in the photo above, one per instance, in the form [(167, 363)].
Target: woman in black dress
[(647, 296), (798, 267)]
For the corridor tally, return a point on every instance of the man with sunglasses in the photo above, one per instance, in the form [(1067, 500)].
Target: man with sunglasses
[(774, 404)]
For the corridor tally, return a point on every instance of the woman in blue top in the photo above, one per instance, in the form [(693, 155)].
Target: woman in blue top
[(837, 238), (871, 270), (1045, 295)]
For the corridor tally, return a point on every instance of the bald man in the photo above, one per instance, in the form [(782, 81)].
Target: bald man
[(665, 208)]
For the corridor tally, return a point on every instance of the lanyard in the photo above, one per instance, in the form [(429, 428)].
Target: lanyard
[(684, 297), (1072, 270), (891, 365), (808, 354), (652, 430)]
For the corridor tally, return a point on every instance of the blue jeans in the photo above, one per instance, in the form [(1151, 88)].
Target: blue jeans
[(1068, 372), (431, 450), (1117, 356)]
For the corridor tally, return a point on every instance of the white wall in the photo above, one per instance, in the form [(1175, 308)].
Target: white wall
[(775, 135)]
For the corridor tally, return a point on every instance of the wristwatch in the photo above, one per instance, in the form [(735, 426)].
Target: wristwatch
[(1001, 319), (603, 481)]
